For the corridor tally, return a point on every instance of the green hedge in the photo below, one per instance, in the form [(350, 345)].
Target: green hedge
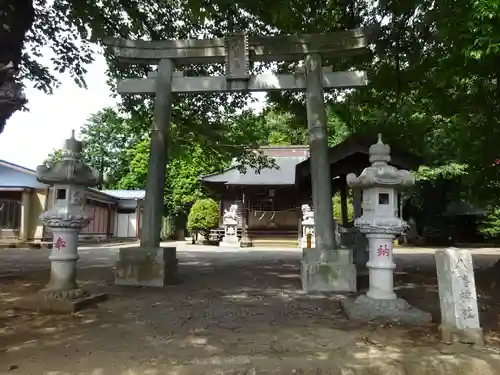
[(203, 216)]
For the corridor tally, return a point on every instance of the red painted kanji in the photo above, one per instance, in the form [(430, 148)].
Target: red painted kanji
[(59, 243), (383, 251)]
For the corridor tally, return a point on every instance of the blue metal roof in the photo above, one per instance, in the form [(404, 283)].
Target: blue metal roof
[(126, 194), (13, 175)]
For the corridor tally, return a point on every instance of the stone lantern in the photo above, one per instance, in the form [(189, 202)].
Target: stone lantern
[(70, 177), (380, 222)]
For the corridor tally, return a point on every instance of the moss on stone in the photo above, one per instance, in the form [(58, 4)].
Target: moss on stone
[(328, 272), (148, 270)]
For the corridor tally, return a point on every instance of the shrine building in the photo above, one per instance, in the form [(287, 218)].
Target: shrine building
[(270, 201)]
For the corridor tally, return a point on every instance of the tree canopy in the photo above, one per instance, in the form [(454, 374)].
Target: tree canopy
[(434, 70)]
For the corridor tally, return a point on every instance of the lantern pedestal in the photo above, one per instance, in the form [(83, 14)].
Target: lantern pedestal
[(380, 301), (230, 238), (62, 295), (63, 260), (48, 304), (380, 266), (396, 310)]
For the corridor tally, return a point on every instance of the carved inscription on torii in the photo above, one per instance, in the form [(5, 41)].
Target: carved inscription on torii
[(237, 60)]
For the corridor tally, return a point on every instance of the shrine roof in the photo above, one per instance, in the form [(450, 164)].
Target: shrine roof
[(284, 174), (126, 194), (351, 156)]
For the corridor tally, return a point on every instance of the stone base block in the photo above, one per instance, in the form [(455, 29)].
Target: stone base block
[(229, 244), (246, 243), (328, 271), (450, 335), (156, 267), (41, 303), (397, 310), (229, 241)]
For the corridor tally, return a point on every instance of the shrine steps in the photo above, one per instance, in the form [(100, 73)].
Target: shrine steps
[(274, 238), (275, 243)]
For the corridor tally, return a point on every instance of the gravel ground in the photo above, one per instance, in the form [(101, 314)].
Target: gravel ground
[(233, 309)]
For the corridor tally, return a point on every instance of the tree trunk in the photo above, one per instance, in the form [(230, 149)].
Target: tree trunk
[(16, 19)]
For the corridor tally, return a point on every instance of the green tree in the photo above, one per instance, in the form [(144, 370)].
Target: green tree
[(282, 128), (182, 187), (433, 69), (107, 136), (203, 216), (54, 157), (68, 30)]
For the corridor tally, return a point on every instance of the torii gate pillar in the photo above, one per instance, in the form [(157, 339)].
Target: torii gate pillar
[(326, 267), (153, 265)]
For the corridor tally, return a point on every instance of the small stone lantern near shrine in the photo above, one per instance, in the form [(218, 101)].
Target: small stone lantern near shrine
[(381, 223), (70, 177)]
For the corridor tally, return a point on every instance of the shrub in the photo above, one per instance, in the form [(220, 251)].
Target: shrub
[(203, 216), (490, 227)]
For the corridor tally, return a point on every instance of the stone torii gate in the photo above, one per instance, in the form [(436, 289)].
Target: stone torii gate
[(236, 51)]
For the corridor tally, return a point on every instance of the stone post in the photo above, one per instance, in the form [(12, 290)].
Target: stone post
[(150, 264), (307, 227), (360, 241), (325, 268), (25, 215), (458, 298), (356, 202), (70, 177), (343, 201), (380, 183), (245, 240)]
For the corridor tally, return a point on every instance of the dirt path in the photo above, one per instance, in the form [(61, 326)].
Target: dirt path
[(233, 312)]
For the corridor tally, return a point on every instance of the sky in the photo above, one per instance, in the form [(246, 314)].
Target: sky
[(29, 137)]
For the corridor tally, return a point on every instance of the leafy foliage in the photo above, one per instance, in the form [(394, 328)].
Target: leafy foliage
[(337, 209), (434, 70), (491, 225), (447, 171), (54, 157), (203, 216)]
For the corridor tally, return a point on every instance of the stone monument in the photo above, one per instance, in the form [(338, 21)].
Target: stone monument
[(307, 226), (70, 177), (380, 223), (457, 296), (230, 222), (360, 242)]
